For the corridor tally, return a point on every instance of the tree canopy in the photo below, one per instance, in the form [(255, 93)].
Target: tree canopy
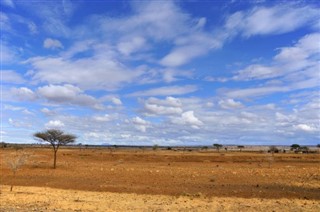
[(56, 138)]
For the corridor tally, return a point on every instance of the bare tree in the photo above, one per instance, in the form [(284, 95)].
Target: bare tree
[(14, 162), (56, 138)]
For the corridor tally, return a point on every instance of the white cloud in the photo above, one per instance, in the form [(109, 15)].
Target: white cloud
[(53, 16), (293, 68), (161, 110), (112, 99), (272, 20), (68, 94), (189, 47), (24, 110), (97, 72), (167, 91), (19, 123), (24, 94), (254, 92), (116, 101), (48, 112), (168, 106), (230, 104), (54, 124), (201, 23), (132, 45), (182, 55), (157, 20), (171, 75), (50, 43), (10, 20), (9, 76), (187, 118), (257, 71), (32, 27), (302, 50), (103, 118), (306, 128), (140, 124)]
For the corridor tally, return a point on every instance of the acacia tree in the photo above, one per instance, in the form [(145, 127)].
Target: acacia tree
[(295, 147), (56, 138), (241, 147), (217, 146)]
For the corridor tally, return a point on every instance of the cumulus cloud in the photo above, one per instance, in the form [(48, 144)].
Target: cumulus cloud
[(116, 101), (230, 104), (140, 124), (306, 128), (187, 118), (50, 43), (24, 94), (168, 101), (54, 124), (68, 94), (168, 106)]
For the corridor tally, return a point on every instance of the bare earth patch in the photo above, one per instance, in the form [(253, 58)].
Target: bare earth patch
[(136, 180), (48, 199)]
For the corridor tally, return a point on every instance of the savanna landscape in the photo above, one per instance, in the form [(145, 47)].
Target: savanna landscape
[(159, 105), (160, 179)]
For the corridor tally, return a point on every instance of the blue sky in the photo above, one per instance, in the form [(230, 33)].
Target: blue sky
[(161, 72)]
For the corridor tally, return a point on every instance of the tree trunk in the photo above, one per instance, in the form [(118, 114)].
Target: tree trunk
[(14, 178), (54, 158)]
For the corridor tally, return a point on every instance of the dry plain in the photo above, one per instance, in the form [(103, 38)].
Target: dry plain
[(102, 179)]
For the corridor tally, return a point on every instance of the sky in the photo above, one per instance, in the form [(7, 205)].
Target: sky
[(161, 72)]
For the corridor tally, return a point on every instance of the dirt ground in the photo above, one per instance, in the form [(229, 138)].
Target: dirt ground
[(146, 180)]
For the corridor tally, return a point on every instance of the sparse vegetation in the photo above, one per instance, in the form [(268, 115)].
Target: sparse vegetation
[(240, 148), (273, 149), (205, 148), (3, 145), (304, 149), (295, 147), (56, 138), (14, 162), (155, 147), (217, 147)]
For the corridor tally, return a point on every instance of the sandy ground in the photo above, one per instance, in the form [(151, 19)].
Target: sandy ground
[(49, 199), (162, 180)]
